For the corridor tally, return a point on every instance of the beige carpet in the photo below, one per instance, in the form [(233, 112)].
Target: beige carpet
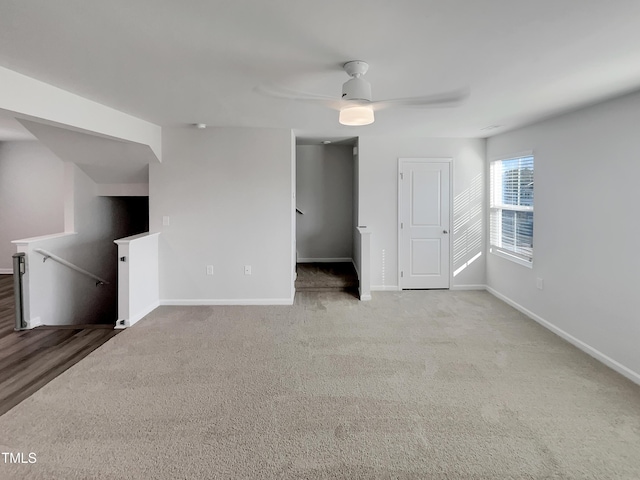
[(412, 385)]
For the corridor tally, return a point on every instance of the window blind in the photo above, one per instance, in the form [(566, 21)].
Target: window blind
[(511, 206)]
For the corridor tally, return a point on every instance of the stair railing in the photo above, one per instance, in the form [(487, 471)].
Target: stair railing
[(62, 261), (19, 268)]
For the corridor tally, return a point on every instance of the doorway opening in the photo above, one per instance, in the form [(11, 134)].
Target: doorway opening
[(326, 201)]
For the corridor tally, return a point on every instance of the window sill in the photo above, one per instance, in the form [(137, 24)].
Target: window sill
[(513, 258)]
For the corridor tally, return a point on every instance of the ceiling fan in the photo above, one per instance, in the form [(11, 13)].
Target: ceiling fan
[(356, 106)]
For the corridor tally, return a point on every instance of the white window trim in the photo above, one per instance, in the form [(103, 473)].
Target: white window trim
[(501, 253), (497, 251)]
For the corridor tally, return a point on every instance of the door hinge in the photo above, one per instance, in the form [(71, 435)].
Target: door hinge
[(401, 176), (401, 225), (401, 274)]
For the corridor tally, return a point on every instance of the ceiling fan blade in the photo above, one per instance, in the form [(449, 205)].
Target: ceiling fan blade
[(278, 91), (452, 98)]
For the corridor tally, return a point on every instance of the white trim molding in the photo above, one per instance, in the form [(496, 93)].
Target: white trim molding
[(362, 261), (523, 153), (588, 349), (468, 287), (122, 189), (229, 301), (325, 260), (6, 271), (26, 241), (130, 322), (512, 258), (34, 322), (385, 288)]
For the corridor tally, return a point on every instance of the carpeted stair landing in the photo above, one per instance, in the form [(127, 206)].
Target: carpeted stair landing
[(324, 277)]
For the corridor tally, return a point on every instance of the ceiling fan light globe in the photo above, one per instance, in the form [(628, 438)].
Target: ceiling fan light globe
[(356, 115)]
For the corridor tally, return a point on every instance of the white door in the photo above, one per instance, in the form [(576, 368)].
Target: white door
[(423, 215)]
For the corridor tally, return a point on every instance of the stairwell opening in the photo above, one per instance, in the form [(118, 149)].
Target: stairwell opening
[(326, 191)]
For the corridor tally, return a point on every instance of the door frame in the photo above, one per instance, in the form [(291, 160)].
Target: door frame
[(402, 161)]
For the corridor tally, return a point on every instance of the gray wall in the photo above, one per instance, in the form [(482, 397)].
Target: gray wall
[(586, 227), (228, 193), (324, 188), (31, 195)]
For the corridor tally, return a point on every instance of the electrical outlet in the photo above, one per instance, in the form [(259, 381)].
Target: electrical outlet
[(247, 269), (209, 269), (165, 221), (539, 283)]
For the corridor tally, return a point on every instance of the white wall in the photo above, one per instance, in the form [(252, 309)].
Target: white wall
[(138, 281), (378, 206), (586, 229), (362, 261), (356, 183), (228, 195), (324, 189), (31, 195)]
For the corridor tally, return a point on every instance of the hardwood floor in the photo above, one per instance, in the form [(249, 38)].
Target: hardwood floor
[(6, 305), (30, 359)]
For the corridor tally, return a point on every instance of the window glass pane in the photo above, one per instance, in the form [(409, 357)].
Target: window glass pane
[(511, 193), (517, 231), (517, 181)]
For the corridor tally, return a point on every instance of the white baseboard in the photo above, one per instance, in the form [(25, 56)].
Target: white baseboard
[(365, 298), (34, 322), (468, 287), (325, 260), (598, 355), (143, 313), (230, 301), (6, 271), (385, 288), (396, 288), (130, 322)]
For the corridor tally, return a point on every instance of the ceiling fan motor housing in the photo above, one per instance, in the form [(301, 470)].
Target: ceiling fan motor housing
[(356, 89)]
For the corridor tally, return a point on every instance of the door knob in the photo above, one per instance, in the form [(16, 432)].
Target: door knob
[(444, 231)]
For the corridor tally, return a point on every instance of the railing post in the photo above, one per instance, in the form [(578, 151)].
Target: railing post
[(19, 268)]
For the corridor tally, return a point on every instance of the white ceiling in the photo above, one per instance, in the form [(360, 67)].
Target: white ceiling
[(175, 63)]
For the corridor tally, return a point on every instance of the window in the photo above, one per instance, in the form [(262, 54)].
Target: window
[(511, 206)]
